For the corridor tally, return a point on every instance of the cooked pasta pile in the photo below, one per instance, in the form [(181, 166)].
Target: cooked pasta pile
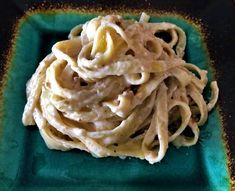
[(115, 88)]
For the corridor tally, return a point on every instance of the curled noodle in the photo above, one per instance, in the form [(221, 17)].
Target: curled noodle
[(116, 89)]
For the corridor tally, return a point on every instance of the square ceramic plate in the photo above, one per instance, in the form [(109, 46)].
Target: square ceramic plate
[(27, 164)]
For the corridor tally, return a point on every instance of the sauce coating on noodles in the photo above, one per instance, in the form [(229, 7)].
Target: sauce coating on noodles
[(117, 87)]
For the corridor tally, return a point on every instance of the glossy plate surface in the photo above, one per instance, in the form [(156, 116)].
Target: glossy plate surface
[(27, 164)]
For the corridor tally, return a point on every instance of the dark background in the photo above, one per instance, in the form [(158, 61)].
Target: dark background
[(218, 16)]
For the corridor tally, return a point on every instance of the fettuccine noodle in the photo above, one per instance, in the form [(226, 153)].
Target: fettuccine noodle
[(115, 88)]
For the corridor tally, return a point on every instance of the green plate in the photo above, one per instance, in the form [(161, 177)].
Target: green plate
[(27, 164)]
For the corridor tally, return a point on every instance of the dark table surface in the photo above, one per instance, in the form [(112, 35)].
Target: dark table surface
[(217, 15)]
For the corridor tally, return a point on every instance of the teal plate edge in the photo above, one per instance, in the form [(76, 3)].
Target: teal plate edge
[(26, 163)]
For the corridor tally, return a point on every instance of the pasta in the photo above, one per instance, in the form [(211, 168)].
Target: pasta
[(115, 88)]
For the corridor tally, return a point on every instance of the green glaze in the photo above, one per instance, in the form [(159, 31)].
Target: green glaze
[(27, 164)]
